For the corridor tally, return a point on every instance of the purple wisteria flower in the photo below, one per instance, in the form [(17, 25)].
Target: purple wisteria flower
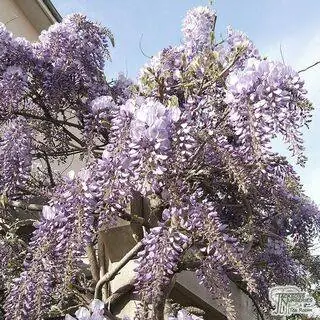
[(97, 120), (236, 49), (158, 261), (57, 247), (13, 86), (122, 88), (166, 66), (95, 312), (197, 28), (152, 124), (269, 98), (15, 156)]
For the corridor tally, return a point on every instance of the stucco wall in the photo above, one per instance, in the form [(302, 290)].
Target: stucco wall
[(16, 21)]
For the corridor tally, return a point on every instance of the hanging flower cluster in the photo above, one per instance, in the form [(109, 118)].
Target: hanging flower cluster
[(55, 251), (198, 28), (15, 156)]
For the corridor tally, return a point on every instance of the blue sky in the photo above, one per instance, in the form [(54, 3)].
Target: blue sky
[(294, 25)]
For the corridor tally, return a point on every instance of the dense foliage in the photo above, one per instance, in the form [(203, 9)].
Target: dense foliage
[(192, 137)]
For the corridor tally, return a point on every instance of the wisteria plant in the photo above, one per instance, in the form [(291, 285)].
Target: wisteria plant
[(191, 138)]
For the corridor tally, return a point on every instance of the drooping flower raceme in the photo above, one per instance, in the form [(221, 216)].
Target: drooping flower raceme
[(265, 99), (97, 121), (157, 264), (167, 67), (13, 86), (122, 88), (15, 156), (197, 28), (236, 49), (77, 49), (139, 144), (55, 250)]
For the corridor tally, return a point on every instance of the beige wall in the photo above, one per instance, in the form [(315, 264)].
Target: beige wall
[(16, 21)]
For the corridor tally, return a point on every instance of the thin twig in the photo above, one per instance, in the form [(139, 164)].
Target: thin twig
[(46, 159), (38, 101), (112, 274), (62, 153), (225, 71), (51, 119), (282, 56), (270, 234), (140, 47), (307, 68), (4, 227), (73, 137), (192, 159)]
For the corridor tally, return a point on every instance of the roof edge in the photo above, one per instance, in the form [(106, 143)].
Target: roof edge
[(50, 10)]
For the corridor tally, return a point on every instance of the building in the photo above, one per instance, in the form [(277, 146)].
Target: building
[(27, 18)]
